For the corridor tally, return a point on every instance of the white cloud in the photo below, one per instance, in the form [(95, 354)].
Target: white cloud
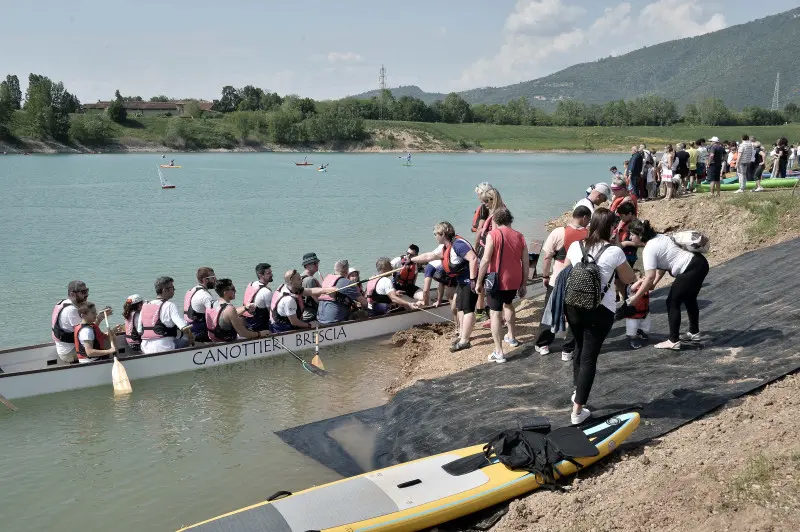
[(344, 57), (543, 36)]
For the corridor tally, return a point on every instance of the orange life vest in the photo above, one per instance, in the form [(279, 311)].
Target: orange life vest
[(79, 349), (453, 270), (476, 218)]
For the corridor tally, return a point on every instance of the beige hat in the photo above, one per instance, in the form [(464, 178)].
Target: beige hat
[(135, 298), (353, 270), (603, 189)]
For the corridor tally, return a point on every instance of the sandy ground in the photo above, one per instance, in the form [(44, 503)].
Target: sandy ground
[(737, 480)]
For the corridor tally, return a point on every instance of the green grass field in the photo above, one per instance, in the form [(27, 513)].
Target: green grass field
[(489, 136)]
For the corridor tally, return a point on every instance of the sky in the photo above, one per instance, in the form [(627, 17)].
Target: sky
[(331, 49)]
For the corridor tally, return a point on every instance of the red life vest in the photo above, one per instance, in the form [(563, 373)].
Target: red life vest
[(58, 333), (131, 332), (374, 297), (571, 235), (189, 313), (152, 326), (476, 218), (487, 226), (407, 276), (79, 349), (507, 257), (215, 331), (454, 270), (276, 298)]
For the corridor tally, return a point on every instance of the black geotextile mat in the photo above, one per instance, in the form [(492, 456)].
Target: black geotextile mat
[(750, 311)]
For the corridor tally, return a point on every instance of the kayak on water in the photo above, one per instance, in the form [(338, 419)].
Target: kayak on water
[(304, 164), (169, 166), (426, 492), (765, 183)]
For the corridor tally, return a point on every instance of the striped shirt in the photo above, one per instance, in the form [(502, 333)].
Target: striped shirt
[(746, 153)]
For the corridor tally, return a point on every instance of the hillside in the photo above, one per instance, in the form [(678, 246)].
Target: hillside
[(408, 90), (685, 70)]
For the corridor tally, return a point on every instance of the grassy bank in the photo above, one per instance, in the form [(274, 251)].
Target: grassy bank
[(176, 134), (489, 136)]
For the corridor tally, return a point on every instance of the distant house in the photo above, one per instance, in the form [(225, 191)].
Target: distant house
[(175, 107)]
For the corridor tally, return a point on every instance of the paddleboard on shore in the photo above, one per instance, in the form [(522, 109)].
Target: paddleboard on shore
[(411, 496)]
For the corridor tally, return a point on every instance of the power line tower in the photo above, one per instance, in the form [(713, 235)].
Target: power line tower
[(381, 88), (776, 96)]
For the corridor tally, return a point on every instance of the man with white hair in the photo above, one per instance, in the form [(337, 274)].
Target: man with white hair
[(599, 195), (337, 307)]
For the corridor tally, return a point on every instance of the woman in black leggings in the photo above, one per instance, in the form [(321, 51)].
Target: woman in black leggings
[(591, 326), (661, 255)]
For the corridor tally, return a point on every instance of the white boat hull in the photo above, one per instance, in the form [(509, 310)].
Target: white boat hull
[(26, 372), (35, 370)]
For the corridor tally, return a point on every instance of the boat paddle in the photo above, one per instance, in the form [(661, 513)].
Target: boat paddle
[(316, 361), (311, 368), (119, 377), (368, 280), (8, 403)]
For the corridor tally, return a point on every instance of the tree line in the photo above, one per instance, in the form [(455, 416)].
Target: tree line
[(250, 113)]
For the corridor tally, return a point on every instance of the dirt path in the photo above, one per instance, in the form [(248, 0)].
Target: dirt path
[(745, 472)]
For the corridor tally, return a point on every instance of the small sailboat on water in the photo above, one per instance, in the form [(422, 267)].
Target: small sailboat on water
[(164, 182)]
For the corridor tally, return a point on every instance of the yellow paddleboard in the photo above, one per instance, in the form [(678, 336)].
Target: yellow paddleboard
[(407, 497), (168, 166)]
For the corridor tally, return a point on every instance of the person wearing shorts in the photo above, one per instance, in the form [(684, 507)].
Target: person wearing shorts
[(505, 256)]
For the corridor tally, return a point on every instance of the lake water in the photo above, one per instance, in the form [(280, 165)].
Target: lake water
[(187, 447)]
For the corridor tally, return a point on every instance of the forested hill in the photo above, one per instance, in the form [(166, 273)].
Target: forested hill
[(737, 64)]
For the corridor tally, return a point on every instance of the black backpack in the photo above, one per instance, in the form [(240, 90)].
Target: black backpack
[(540, 453), (584, 285)]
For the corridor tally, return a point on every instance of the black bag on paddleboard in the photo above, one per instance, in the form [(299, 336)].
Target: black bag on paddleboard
[(540, 453), (584, 284)]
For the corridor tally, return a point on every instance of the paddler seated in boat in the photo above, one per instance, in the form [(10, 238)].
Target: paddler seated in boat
[(130, 313), (223, 321), (161, 325), (338, 306), (310, 269), (405, 280), (381, 293), (197, 300), (460, 262), (66, 317), (259, 294), (286, 309), (89, 339)]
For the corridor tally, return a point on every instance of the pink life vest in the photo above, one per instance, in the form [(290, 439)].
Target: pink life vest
[(374, 297), (215, 332), (190, 314), (152, 326), (58, 333), (276, 298), (337, 297), (250, 294), (131, 332)]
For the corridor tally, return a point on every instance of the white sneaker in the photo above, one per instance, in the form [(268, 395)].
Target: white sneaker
[(759, 189), (689, 337), (494, 357), (566, 357), (577, 419), (542, 350), (666, 344), (739, 191)]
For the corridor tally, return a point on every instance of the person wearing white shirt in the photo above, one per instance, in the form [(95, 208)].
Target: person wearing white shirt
[(381, 293), (169, 316), (598, 195), (65, 318), (743, 164), (661, 254), (90, 340), (591, 326)]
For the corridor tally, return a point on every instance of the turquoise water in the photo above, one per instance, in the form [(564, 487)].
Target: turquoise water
[(104, 218), (186, 447)]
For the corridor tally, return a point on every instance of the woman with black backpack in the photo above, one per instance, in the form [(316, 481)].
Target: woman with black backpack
[(589, 303), (661, 255)]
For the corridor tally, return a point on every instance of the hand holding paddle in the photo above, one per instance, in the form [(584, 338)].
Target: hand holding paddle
[(119, 377), (368, 280)]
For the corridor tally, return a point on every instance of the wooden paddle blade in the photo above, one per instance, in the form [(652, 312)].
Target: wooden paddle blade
[(316, 361), (8, 403), (119, 377)]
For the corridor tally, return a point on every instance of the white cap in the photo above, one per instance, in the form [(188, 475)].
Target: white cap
[(714, 139), (353, 270), (603, 189), (135, 298)]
